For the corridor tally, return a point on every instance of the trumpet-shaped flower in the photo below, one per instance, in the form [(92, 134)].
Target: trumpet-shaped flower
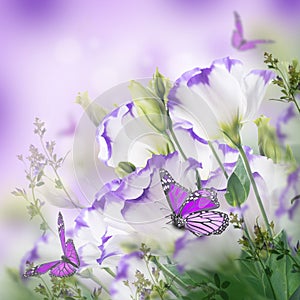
[(232, 96), (126, 141), (139, 201)]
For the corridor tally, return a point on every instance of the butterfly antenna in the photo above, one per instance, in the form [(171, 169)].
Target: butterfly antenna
[(164, 208)]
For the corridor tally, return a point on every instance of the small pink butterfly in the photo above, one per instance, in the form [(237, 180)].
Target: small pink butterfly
[(238, 41), (69, 262)]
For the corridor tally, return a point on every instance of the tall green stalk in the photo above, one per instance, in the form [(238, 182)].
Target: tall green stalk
[(255, 189)]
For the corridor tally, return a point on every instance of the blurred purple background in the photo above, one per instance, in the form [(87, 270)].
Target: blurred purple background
[(53, 49)]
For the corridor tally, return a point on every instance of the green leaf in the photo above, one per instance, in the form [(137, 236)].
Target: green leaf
[(279, 257), (225, 284), (295, 198), (296, 295), (217, 280), (223, 295), (185, 277), (238, 185), (44, 226), (32, 210), (19, 192), (235, 192), (283, 279), (58, 184)]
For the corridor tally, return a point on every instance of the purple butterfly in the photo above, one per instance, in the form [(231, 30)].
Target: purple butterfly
[(69, 262), (238, 40), (193, 210)]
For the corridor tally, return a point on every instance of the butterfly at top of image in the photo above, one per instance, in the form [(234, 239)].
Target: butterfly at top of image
[(69, 262), (239, 42), (193, 210)]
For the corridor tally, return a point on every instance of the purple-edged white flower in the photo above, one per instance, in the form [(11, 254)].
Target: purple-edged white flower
[(123, 136), (232, 96), (96, 244), (138, 201), (209, 253)]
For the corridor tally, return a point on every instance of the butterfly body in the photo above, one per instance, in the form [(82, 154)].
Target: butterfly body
[(178, 221), (67, 265), (193, 210), (239, 42)]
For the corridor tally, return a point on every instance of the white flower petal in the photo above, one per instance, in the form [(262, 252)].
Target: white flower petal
[(254, 85)]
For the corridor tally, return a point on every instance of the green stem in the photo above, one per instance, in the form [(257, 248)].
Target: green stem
[(38, 209), (175, 292), (110, 272), (297, 105), (287, 88), (267, 275), (47, 288), (177, 143), (169, 273), (255, 189), (173, 135), (96, 280), (260, 261), (294, 260), (249, 172), (152, 278), (211, 146)]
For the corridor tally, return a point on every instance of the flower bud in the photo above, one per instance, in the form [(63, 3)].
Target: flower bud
[(149, 106), (95, 112), (267, 139), (160, 86)]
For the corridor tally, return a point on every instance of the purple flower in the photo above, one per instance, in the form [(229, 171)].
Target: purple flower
[(97, 242)]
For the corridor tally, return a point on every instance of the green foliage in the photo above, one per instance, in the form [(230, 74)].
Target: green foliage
[(288, 78), (64, 288), (152, 285), (270, 264), (238, 185), (208, 286)]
